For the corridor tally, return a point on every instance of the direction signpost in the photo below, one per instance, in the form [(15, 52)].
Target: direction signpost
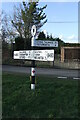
[(40, 55)]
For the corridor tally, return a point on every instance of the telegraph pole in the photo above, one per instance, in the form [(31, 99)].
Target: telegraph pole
[(33, 32)]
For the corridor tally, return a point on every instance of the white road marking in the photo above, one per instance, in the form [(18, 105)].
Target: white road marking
[(76, 78), (62, 77)]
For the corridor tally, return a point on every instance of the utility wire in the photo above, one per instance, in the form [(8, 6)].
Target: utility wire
[(62, 22)]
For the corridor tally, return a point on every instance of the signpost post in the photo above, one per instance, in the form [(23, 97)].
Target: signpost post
[(33, 32), (41, 55)]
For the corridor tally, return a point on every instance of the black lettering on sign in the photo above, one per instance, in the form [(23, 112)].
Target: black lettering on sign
[(26, 54), (50, 55), (16, 54), (22, 56)]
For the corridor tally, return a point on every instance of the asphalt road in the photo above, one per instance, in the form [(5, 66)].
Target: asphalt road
[(43, 71)]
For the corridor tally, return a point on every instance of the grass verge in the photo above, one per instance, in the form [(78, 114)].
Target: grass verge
[(52, 98)]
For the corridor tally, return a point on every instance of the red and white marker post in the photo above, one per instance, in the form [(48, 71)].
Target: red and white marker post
[(32, 78)]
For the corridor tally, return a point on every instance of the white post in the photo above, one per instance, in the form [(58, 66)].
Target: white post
[(33, 32)]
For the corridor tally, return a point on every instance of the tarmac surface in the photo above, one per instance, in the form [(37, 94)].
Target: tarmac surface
[(43, 71)]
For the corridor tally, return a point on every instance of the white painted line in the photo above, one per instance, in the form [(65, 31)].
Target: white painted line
[(62, 77), (76, 78)]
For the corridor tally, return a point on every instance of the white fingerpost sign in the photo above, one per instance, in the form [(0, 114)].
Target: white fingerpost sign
[(23, 54), (40, 55), (42, 43), (43, 55)]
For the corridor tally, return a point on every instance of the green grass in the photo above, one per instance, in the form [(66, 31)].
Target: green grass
[(52, 98)]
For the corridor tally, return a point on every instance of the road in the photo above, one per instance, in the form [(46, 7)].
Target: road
[(43, 71)]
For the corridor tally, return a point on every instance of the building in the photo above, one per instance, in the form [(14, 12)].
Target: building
[(70, 53)]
